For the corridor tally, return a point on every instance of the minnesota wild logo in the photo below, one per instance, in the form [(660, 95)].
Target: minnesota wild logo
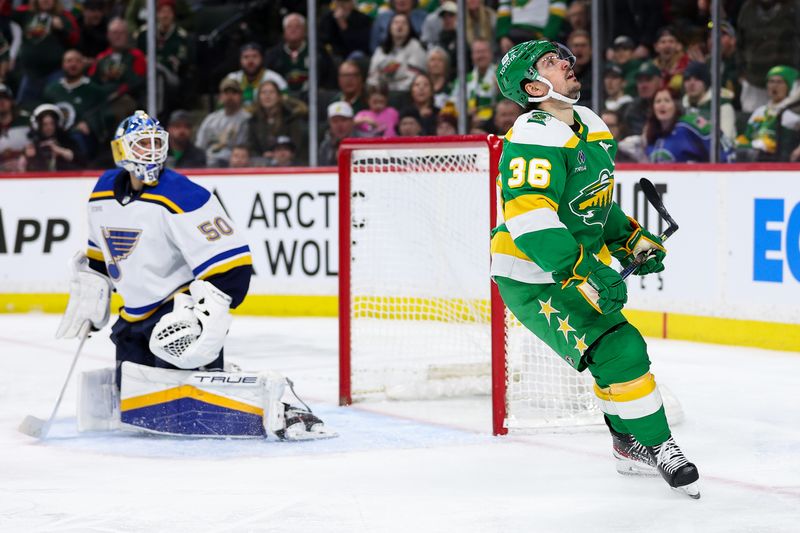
[(594, 200)]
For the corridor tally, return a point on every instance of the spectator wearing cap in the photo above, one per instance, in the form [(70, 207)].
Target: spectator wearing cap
[(340, 126), (383, 20), (345, 29), (614, 85), (399, 58), (380, 119), (622, 51), (283, 155), (13, 131), (93, 25), (273, 117), (648, 81), (410, 123), (120, 70), (225, 128), (580, 43), (182, 152), (525, 20), (289, 58), (480, 23), (439, 29), (173, 57), (760, 139), (48, 31), (352, 85), (482, 90), (50, 147), (697, 99), (670, 58), (767, 35), (83, 97), (253, 74)]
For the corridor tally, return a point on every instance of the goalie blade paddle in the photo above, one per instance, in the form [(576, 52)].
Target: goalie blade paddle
[(655, 200), (34, 427)]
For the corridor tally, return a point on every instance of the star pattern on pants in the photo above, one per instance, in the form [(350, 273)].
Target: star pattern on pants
[(580, 344), (547, 309), (564, 327)]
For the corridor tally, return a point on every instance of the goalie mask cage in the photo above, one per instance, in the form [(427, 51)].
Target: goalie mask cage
[(419, 317)]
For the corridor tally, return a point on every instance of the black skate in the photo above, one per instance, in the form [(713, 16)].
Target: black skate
[(632, 458), (681, 475)]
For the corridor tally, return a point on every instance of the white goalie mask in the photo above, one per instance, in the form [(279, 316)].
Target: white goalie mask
[(140, 146)]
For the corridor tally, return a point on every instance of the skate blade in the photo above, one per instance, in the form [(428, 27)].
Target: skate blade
[(692, 490)]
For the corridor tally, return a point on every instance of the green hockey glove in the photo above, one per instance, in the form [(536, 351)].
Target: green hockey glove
[(598, 283), (641, 241)]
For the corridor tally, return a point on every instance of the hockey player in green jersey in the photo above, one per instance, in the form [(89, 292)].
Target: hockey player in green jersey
[(557, 231)]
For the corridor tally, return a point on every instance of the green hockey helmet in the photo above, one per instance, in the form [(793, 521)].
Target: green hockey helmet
[(519, 65)]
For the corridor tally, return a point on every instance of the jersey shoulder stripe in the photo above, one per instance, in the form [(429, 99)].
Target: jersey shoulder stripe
[(223, 262), (598, 131), (541, 129), (176, 193), (104, 188)]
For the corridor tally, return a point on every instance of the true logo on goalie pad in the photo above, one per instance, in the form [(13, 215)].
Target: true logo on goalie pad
[(120, 243)]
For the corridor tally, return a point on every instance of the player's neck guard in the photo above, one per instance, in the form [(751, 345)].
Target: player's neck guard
[(552, 94)]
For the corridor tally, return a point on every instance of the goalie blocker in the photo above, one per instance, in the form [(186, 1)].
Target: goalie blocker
[(196, 404)]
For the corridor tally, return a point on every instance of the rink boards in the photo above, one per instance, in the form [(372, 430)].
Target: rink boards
[(733, 269)]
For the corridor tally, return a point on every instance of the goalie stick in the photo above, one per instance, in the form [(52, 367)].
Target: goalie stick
[(655, 200), (38, 428)]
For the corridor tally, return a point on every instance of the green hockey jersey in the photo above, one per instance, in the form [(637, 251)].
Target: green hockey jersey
[(555, 189)]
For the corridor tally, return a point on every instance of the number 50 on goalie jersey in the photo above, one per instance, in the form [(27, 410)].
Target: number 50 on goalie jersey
[(156, 244)]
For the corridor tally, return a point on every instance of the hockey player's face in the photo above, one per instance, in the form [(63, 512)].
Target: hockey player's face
[(145, 146), (560, 74)]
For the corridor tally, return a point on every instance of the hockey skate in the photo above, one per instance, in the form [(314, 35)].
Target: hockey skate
[(632, 458), (302, 424), (681, 475)]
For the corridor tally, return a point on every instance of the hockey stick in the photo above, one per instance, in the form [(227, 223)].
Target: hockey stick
[(38, 428), (655, 200)]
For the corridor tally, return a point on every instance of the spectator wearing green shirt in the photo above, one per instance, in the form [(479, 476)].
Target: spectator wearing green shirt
[(82, 97)]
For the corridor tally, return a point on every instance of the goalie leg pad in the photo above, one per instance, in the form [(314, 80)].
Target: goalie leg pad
[(214, 404), (201, 404), (98, 401)]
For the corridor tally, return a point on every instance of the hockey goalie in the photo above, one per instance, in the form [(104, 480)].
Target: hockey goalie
[(168, 248)]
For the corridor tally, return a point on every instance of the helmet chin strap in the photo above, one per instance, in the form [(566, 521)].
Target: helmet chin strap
[(552, 94)]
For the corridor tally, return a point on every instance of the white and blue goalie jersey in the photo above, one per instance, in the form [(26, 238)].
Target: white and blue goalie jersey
[(155, 243)]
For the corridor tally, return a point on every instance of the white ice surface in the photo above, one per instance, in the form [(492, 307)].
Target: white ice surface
[(399, 466)]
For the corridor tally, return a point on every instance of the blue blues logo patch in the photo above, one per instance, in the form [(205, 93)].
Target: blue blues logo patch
[(120, 243)]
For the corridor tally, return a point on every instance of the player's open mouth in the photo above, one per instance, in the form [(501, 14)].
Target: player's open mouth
[(571, 75)]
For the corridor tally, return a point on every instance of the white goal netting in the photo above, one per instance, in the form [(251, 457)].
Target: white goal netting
[(419, 321)]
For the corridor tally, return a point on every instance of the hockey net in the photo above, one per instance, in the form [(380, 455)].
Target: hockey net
[(419, 317)]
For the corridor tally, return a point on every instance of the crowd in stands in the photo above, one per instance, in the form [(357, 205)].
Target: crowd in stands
[(233, 77)]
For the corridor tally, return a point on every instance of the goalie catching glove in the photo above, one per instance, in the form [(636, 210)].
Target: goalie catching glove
[(642, 241), (192, 334), (89, 299), (598, 283)]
